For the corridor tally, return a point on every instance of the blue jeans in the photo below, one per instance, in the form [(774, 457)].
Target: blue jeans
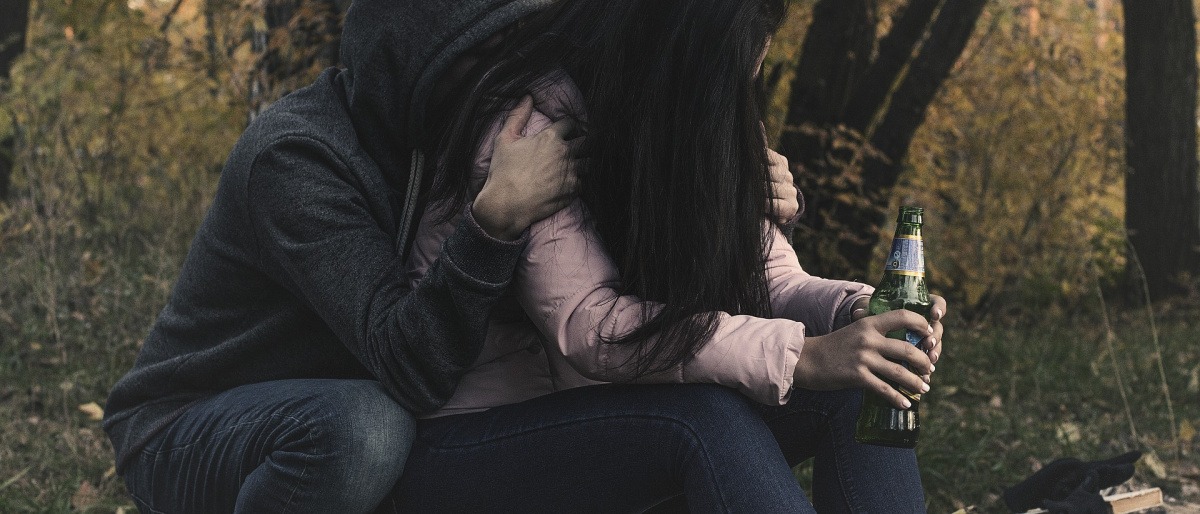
[(629, 448), (281, 446)]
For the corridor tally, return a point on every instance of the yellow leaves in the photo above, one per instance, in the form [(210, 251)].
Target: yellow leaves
[(92, 410), (1186, 432)]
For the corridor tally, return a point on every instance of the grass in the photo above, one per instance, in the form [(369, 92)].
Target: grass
[(1007, 397)]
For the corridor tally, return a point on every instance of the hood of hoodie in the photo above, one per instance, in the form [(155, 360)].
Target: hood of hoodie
[(394, 51)]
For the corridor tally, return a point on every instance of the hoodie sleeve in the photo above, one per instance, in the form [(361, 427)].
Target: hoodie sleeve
[(317, 237)]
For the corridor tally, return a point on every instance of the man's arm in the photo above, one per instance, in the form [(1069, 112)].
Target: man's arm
[(317, 237)]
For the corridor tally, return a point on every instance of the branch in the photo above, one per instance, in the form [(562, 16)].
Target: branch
[(170, 16)]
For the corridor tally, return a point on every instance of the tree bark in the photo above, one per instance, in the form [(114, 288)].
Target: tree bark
[(1162, 201), (12, 42), (833, 58), (948, 37), (848, 137), (895, 51)]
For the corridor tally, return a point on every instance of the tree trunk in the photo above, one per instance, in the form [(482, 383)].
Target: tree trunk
[(834, 57), (1162, 202), (929, 69), (848, 135), (12, 43)]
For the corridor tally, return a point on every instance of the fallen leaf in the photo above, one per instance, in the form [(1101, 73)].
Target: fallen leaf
[(85, 497), (1068, 432), (93, 410), (1155, 465)]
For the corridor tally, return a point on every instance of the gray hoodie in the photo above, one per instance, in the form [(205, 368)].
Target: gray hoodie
[(297, 269)]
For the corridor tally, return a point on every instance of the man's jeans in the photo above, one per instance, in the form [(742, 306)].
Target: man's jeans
[(627, 448), (281, 446)]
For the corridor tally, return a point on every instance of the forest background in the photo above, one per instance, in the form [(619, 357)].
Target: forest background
[(1073, 294)]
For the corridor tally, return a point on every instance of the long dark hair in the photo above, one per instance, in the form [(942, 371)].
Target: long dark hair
[(676, 180)]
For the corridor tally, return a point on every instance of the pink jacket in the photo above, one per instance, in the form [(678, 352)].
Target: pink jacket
[(546, 334)]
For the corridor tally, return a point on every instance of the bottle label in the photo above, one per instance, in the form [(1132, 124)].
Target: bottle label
[(907, 257), (907, 336)]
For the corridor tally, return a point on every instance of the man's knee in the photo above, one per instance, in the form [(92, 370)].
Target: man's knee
[(361, 438)]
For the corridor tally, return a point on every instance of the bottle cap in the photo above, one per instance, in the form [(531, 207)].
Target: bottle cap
[(910, 215)]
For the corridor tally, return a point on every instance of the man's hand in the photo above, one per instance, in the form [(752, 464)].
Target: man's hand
[(784, 204), (530, 177), (860, 355)]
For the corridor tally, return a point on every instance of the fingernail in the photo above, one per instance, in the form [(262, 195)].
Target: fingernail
[(937, 314), (924, 388), (907, 404), (930, 329), (932, 368)]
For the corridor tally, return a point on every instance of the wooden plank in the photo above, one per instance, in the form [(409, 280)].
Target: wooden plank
[(1125, 503)]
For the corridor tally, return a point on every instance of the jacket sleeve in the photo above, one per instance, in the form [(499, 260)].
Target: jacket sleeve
[(567, 284), (319, 239), (822, 305)]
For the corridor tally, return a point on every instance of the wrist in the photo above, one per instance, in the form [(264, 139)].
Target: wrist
[(494, 221)]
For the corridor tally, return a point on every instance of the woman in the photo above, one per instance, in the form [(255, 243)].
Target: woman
[(666, 273)]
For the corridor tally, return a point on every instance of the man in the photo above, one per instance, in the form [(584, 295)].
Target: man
[(280, 374)]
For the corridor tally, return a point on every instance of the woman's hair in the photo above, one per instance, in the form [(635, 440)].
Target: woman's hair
[(676, 178)]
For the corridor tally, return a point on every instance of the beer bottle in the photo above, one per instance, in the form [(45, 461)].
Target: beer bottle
[(903, 287)]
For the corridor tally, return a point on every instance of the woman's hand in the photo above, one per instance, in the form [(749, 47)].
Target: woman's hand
[(860, 355), (530, 177), (785, 198), (932, 344)]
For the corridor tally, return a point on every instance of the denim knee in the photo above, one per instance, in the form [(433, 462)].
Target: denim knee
[(714, 413), (706, 402), (364, 438)]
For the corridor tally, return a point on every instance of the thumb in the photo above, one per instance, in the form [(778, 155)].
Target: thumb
[(517, 119)]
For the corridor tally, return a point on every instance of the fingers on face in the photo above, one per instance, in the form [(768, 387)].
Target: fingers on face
[(566, 129), (518, 118)]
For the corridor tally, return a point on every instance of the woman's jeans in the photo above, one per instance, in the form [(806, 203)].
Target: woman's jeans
[(628, 448), (282, 446)]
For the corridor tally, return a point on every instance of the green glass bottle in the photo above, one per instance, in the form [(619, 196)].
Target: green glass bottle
[(903, 287)]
